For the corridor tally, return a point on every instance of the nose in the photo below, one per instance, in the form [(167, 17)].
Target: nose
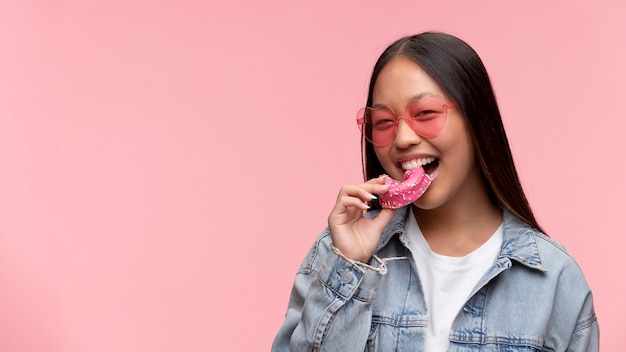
[(405, 135)]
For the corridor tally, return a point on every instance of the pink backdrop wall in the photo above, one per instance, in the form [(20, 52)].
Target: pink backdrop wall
[(165, 165)]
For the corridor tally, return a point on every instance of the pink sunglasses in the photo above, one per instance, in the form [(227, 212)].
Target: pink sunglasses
[(426, 116)]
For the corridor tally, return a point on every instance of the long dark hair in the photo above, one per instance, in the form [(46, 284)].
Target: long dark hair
[(460, 72)]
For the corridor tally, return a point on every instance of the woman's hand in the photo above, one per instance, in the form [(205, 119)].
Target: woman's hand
[(354, 235)]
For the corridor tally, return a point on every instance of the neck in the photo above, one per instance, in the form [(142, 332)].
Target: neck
[(461, 225)]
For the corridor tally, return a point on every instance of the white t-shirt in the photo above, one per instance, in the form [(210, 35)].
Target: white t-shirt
[(447, 281)]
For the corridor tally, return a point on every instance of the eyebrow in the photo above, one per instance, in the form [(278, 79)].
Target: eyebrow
[(415, 97)]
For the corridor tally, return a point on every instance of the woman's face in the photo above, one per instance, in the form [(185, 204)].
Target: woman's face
[(452, 152)]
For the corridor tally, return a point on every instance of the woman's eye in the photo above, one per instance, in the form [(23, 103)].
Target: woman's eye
[(425, 115), (383, 124)]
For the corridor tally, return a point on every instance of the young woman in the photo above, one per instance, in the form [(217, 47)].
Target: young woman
[(465, 267)]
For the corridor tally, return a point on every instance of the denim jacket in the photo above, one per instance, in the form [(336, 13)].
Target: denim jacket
[(534, 298)]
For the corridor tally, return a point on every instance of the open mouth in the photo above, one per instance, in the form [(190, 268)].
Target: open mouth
[(430, 165), (431, 168), (417, 177)]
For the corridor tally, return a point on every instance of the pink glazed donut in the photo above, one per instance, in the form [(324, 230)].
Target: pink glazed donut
[(415, 183)]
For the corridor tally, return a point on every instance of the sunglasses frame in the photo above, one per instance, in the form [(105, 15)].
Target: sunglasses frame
[(366, 127)]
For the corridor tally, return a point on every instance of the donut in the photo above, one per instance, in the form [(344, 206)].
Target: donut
[(415, 183)]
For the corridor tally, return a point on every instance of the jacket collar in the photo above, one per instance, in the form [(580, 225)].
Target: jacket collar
[(518, 243)]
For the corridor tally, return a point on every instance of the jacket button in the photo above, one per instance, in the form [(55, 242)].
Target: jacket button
[(346, 277)]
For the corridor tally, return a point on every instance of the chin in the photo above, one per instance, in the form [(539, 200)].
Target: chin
[(426, 203)]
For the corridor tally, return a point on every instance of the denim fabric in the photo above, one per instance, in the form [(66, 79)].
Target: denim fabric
[(534, 298)]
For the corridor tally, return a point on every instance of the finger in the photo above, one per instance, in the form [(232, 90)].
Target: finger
[(346, 202), (376, 188), (384, 217), (358, 191), (377, 180)]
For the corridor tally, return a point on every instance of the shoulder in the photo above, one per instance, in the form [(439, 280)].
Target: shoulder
[(552, 251), (564, 280), (561, 266), (534, 249)]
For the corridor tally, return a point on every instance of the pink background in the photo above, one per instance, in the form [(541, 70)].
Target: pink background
[(165, 165)]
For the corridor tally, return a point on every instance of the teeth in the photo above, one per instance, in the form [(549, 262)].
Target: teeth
[(415, 163)]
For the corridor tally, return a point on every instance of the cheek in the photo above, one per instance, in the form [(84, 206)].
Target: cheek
[(457, 145), (460, 132), (465, 155), (382, 153), (468, 146)]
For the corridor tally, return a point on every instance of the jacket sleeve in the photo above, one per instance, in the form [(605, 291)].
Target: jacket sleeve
[(586, 337), (329, 305)]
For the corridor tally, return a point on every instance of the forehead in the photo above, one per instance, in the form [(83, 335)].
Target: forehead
[(401, 80)]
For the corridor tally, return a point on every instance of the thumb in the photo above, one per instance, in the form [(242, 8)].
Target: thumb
[(384, 217)]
